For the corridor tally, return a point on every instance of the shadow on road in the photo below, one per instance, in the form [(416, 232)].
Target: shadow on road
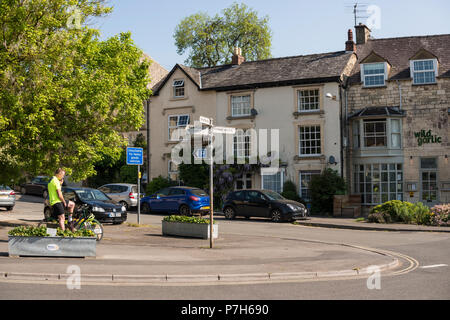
[(29, 199)]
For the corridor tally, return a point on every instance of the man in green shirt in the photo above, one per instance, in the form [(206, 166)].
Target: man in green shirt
[(57, 201)]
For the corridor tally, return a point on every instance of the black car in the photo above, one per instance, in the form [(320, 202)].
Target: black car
[(262, 203), (104, 209), (37, 186)]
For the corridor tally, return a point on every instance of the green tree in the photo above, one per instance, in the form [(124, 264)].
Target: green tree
[(210, 40), (323, 187), (65, 96)]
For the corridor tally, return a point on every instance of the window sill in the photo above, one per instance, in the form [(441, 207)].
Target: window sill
[(240, 117), (374, 87), (424, 84), (307, 113), (309, 157), (178, 98)]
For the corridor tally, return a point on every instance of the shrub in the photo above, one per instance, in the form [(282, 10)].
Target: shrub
[(422, 214), (184, 219), (41, 231), (290, 192), (158, 184), (440, 215), (323, 187), (398, 211)]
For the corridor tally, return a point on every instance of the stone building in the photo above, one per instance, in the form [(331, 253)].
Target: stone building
[(398, 105)]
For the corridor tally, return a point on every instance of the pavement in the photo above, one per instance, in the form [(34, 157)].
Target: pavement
[(141, 254)]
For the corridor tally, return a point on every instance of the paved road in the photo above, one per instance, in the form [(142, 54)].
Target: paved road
[(430, 280)]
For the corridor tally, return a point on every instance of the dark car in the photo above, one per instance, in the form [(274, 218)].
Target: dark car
[(37, 186), (182, 200), (262, 203), (104, 209)]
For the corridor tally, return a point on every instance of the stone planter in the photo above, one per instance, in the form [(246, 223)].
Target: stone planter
[(190, 230), (51, 246)]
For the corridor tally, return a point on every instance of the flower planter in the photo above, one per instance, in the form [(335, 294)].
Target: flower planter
[(51, 246), (190, 230)]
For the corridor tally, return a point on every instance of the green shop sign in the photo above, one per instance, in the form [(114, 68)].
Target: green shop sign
[(426, 137)]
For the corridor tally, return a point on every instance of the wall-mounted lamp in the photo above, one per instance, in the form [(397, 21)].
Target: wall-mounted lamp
[(332, 160)]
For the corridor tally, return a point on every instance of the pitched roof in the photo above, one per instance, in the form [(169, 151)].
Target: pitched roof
[(398, 52), (377, 111), (268, 73)]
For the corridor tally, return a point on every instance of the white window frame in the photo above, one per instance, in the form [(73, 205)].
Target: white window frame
[(414, 71), (304, 103), (242, 144), (376, 134), (245, 179), (178, 84), (397, 134), (363, 75), (308, 173), (241, 105), (178, 125), (317, 141), (271, 172)]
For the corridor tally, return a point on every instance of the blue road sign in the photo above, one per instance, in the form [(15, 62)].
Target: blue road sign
[(135, 156)]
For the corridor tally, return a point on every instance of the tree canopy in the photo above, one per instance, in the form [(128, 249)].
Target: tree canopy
[(65, 95), (210, 40)]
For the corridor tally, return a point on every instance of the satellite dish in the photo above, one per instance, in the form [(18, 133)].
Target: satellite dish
[(253, 112)]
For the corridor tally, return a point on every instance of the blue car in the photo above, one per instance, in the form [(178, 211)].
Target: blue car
[(182, 200)]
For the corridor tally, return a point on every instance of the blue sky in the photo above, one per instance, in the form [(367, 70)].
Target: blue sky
[(298, 27)]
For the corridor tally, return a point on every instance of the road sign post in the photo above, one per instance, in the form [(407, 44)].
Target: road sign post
[(135, 156)]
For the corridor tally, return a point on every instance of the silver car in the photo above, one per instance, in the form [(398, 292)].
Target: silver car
[(124, 193), (7, 197)]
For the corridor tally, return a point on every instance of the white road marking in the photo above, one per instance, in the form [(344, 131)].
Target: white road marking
[(434, 266)]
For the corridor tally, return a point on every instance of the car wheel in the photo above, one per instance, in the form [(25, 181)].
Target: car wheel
[(45, 194), (184, 210), (145, 208), (276, 215), (229, 213), (23, 190), (9, 208), (125, 204)]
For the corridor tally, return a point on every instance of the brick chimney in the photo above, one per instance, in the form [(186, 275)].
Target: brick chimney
[(349, 44), (237, 58), (362, 33)]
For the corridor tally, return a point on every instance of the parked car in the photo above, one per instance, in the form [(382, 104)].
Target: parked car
[(124, 193), (37, 186), (262, 203), (104, 208), (182, 200), (7, 197)]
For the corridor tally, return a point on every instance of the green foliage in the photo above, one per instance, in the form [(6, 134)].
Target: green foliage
[(401, 211), (158, 184), (290, 192), (65, 96), (29, 231), (41, 231), (211, 40), (194, 175), (185, 219), (323, 187)]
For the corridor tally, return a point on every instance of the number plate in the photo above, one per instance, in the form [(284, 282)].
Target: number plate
[(116, 215), (205, 208)]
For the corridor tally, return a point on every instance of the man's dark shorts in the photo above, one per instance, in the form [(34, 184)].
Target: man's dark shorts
[(57, 209)]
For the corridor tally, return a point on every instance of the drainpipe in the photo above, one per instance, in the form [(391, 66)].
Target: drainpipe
[(148, 140), (399, 94)]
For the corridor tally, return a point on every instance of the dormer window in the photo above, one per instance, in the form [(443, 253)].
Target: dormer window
[(424, 71), (373, 74), (178, 88)]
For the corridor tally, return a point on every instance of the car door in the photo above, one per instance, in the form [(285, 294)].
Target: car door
[(176, 198), (240, 201), (159, 201), (256, 204)]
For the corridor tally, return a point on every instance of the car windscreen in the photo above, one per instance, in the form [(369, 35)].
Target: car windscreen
[(199, 192), (91, 195), (3, 187), (272, 195)]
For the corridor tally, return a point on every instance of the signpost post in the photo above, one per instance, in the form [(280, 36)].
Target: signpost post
[(135, 156), (201, 153)]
